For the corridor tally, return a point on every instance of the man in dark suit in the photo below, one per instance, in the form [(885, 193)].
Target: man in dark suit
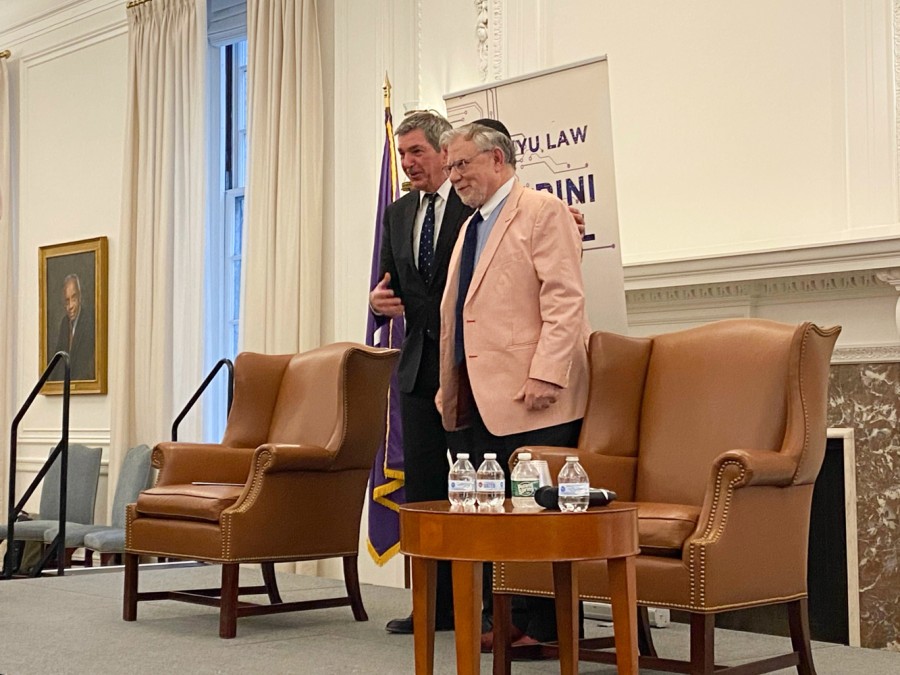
[(76, 332), (420, 230)]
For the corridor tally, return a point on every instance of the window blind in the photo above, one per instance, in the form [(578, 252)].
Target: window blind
[(226, 21)]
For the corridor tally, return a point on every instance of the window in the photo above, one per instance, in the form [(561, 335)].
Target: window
[(235, 167), (228, 171)]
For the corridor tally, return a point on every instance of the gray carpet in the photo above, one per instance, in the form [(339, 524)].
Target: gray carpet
[(73, 624)]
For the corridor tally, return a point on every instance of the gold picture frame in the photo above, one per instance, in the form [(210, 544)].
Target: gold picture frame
[(73, 292)]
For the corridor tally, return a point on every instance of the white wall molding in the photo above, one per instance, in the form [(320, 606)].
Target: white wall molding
[(889, 353), (498, 32), (58, 17), (49, 436), (896, 31), (823, 286), (482, 33), (76, 43), (865, 254), (870, 109)]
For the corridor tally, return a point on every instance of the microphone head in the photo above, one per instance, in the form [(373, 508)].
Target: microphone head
[(548, 497)]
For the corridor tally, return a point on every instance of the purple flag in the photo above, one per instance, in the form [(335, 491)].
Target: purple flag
[(386, 479)]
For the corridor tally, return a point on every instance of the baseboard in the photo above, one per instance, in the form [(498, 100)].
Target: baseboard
[(659, 617)]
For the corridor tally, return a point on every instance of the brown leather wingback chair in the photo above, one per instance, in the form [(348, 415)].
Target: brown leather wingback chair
[(287, 482), (718, 434)]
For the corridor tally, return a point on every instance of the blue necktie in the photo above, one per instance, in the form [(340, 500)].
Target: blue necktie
[(426, 239), (466, 269)]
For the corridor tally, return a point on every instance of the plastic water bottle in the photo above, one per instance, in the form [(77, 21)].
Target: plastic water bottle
[(525, 480), (490, 483), (574, 487), (461, 481)]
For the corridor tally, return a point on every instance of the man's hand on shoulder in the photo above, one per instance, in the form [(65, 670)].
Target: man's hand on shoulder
[(383, 301), (538, 394), (579, 218)]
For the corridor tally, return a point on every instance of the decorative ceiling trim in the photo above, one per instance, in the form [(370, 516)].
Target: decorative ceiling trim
[(867, 354), (497, 40), (866, 283), (482, 32), (831, 258)]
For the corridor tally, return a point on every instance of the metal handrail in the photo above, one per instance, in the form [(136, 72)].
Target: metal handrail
[(209, 378), (62, 449)]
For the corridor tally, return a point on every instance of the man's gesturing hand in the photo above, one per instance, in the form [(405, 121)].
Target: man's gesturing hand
[(383, 301)]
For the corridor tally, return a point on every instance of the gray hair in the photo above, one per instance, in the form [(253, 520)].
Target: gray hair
[(484, 139), (72, 279), (431, 124)]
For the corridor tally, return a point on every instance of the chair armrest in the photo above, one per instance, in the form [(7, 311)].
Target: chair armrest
[(181, 463), (732, 471), (756, 467), (278, 457)]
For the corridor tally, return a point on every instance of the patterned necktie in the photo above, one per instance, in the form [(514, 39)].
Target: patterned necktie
[(426, 239), (466, 269)]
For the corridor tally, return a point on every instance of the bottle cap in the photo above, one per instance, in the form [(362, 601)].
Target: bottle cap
[(490, 455), (573, 458), (524, 456), (462, 455)]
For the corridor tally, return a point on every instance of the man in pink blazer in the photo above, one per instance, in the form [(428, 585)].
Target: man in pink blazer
[(513, 349)]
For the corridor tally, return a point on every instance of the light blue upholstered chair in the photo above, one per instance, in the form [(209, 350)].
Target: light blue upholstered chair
[(83, 477), (109, 540)]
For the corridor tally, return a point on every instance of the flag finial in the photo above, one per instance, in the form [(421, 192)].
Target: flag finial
[(386, 88)]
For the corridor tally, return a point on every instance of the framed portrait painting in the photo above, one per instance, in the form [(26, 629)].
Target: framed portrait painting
[(73, 314)]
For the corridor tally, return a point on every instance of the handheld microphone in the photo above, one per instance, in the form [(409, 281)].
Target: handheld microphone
[(548, 497)]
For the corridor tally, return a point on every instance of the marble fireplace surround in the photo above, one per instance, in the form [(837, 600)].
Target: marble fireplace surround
[(857, 288)]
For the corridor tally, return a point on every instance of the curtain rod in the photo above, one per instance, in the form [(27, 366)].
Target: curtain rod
[(135, 3), (5, 54)]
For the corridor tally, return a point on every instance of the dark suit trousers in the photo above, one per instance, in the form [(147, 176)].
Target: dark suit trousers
[(534, 616), (425, 467)]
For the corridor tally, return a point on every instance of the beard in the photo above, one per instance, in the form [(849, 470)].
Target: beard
[(472, 197)]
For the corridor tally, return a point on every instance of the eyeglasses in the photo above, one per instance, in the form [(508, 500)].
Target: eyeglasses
[(461, 165)]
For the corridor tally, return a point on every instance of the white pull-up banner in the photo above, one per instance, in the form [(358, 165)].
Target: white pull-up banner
[(559, 120)]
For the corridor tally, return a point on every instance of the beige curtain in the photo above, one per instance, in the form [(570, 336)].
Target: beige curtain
[(7, 284), (157, 341), (282, 300)]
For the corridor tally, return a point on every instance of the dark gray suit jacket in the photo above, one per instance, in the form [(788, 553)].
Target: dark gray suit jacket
[(421, 299)]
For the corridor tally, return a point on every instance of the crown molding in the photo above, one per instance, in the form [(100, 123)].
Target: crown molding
[(867, 354), (822, 286), (830, 258)]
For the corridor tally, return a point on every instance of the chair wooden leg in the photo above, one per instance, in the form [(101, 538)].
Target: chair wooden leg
[(129, 605), (88, 558), (268, 573), (703, 627), (229, 600), (645, 638), (798, 619), (351, 581), (107, 558)]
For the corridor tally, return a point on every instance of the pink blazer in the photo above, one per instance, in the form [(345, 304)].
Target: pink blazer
[(524, 317)]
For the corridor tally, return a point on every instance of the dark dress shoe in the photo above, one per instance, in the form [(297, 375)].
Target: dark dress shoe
[(405, 626), (400, 626)]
